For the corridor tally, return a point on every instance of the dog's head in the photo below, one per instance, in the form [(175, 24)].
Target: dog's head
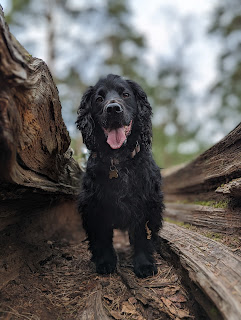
[(114, 111)]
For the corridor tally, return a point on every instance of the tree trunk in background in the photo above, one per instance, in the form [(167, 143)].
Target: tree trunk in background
[(50, 30)]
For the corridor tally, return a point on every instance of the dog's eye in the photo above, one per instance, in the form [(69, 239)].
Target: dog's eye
[(99, 99), (126, 94)]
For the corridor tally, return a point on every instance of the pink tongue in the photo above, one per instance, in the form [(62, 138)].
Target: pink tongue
[(116, 138)]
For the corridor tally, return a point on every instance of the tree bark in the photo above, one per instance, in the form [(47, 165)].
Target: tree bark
[(34, 141), (223, 220), (207, 191), (211, 266), (39, 179), (205, 177)]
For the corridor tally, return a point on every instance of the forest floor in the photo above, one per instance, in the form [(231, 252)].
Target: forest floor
[(65, 286)]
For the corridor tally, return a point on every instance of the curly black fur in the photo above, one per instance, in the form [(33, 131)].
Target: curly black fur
[(133, 201)]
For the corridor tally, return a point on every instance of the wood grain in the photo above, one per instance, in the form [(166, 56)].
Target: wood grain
[(212, 266), (200, 178), (222, 220), (34, 141)]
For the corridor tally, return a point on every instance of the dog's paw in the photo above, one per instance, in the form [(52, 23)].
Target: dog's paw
[(106, 264), (143, 267), (105, 267)]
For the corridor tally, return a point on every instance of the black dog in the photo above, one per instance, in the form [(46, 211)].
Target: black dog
[(121, 186)]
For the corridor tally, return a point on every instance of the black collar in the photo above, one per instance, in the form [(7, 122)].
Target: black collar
[(113, 172), (132, 154)]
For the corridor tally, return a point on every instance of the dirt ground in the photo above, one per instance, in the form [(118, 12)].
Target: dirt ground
[(65, 286)]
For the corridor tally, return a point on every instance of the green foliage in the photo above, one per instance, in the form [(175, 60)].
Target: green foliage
[(165, 148), (17, 6)]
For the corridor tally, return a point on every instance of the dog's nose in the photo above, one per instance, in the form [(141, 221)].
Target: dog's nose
[(114, 107)]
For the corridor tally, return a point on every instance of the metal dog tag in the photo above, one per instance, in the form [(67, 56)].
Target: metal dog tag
[(113, 173)]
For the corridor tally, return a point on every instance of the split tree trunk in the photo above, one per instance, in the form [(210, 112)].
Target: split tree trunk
[(214, 175), (37, 171), (34, 140), (207, 191)]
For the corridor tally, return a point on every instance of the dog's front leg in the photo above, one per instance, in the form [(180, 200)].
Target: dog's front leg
[(101, 246), (144, 263)]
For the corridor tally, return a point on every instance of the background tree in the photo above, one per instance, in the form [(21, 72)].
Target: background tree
[(85, 41), (226, 26)]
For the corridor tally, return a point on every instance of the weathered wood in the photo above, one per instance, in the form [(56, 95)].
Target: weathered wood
[(212, 177), (94, 309), (200, 178), (211, 265), (216, 219), (233, 188), (34, 141)]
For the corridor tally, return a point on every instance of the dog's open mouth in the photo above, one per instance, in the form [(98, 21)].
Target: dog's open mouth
[(117, 137)]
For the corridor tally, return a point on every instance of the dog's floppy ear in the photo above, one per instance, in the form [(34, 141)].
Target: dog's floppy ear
[(85, 122), (144, 113)]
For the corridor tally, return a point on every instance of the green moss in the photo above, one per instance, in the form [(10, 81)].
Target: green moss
[(211, 235), (28, 56), (215, 204), (179, 223), (214, 235)]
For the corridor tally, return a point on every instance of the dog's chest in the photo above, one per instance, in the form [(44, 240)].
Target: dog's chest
[(121, 195)]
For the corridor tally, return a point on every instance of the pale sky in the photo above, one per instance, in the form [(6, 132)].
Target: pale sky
[(154, 21), (152, 18)]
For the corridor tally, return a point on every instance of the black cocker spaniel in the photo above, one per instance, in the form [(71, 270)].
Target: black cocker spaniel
[(121, 186)]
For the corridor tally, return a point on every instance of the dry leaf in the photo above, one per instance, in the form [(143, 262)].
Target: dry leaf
[(182, 313), (178, 297), (132, 300), (170, 290), (177, 312), (127, 307), (173, 310), (167, 302), (65, 299), (116, 315)]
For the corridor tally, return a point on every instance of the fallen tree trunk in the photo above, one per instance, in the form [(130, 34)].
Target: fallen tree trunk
[(207, 191), (205, 177), (35, 158), (37, 171), (34, 141), (224, 220), (211, 266)]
